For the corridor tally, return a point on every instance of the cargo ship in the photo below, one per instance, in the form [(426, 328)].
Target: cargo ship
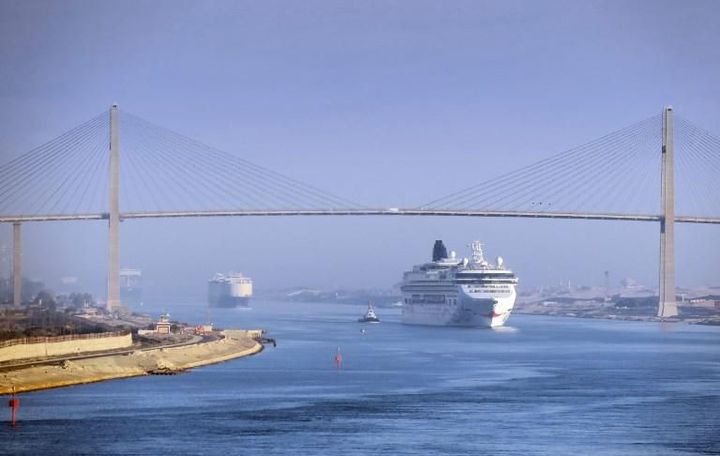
[(229, 290)]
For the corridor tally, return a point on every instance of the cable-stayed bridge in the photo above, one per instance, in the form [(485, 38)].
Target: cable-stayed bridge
[(662, 169)]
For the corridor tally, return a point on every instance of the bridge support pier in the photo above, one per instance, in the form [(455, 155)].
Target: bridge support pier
[(17, 264), (667, 306), (113, 297)]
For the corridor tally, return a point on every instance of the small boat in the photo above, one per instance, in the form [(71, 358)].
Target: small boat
[(370, 316)]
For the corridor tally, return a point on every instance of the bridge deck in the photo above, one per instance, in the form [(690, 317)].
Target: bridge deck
[(357, 212)]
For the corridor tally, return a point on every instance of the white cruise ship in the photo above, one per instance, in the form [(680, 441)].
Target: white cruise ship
[(229, 290), (451, 291)]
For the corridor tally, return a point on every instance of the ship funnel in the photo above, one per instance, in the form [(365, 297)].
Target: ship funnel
[(439, 251)]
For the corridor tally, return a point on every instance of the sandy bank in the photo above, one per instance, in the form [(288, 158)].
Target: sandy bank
[(234, 344)]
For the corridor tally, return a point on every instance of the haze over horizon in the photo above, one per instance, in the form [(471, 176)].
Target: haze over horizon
[(390, 104)]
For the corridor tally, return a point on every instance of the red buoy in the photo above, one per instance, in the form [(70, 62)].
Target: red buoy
[(14, 405), (338, 358)]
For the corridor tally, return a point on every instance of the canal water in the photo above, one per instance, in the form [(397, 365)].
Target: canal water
[(541, 386)]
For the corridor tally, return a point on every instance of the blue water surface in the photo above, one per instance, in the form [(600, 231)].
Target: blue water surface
[(540, 386)]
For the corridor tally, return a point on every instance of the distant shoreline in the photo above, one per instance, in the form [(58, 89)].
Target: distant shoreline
[(234, 344), (569, 313)]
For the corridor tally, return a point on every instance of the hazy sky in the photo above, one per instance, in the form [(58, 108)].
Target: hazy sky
[(387, 103)]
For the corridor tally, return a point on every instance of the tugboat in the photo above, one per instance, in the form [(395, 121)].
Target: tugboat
[(370, 316)]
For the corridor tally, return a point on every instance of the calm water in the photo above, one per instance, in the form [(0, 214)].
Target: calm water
[(543, 386)]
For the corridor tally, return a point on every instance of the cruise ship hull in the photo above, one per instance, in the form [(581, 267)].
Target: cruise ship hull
[(459, 308)]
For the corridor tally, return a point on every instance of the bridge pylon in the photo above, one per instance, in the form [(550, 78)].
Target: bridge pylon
[(113, 296), (17, 264), (667, 305)]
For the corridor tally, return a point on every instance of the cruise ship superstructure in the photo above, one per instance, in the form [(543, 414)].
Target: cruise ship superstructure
[(229, 290), (451, 291)]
